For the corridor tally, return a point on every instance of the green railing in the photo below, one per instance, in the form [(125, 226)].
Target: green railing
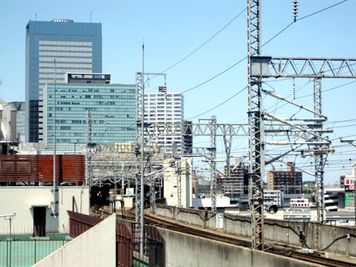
[(139, 263), (24, 251)]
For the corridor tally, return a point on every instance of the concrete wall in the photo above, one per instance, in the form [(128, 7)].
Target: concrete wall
[(317, 236), (22, 199), (184, 250), (200, 218), (95, 247)]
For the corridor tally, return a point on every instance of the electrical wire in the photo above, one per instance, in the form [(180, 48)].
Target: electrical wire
[(215, 76), (330, 89), (322, 10), (267, 42), (220, 104), (207, 41)]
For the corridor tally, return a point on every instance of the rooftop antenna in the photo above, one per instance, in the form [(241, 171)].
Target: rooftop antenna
[(36, 16), (91, 16)]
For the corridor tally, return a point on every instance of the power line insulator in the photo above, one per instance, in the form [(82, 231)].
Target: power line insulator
[(295, 10)]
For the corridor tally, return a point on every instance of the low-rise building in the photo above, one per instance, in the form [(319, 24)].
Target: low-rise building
[(289, 181)]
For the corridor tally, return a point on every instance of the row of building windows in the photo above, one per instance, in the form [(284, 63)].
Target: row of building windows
[(65, 59), (92, 89), (115, 121), (65, 54), (64, 48), (69, 43), (80, 128), (66, 65), (161, 95), (97, 103), (104, 110), (96, 96)]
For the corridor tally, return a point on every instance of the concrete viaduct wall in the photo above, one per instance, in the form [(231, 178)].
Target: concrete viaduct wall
[(95, 247), (317, 236), (184, 250)]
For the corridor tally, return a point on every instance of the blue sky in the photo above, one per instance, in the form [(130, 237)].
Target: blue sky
[(172, 29)]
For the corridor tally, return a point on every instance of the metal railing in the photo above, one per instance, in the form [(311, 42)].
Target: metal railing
[(26, 252)]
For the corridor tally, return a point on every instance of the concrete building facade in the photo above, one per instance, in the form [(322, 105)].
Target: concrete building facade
[(173, 175), (164, 108), (52, 49), (289, 182), (32, 206)]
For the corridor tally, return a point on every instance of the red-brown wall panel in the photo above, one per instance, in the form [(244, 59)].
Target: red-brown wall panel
[(39, 168)]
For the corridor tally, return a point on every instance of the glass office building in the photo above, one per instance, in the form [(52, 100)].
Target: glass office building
[(111, 107), (54, 48)]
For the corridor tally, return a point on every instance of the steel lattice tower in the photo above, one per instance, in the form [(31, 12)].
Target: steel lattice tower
[(255, 124)]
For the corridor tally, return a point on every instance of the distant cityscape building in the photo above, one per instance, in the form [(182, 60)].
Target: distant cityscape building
[(187, 137), (54, 48), (12, 120), (164, 108), (236, 185), (112, 108), (20, 124), (273, 197), (347, 183), (289, 182)]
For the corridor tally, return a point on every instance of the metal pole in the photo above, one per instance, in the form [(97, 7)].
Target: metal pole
[(10, 235), (55, 143), (213, 181), (142, 155), (115, 190)]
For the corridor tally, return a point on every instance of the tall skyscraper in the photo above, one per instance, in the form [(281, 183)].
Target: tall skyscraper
[(54, 48), (165, 108)]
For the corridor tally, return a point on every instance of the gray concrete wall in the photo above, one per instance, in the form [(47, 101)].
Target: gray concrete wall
[(95, 247), (185, 250), (317, 236)]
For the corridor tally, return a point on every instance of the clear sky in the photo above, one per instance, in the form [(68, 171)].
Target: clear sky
[(173, 29)]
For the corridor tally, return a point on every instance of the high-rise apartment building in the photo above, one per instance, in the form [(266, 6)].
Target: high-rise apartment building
[(163, 109), (288, 182), (54, 48), (89, 102)]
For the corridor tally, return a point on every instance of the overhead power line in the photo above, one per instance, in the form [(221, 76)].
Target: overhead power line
[(267, 42), (220, 104), (207, 41)]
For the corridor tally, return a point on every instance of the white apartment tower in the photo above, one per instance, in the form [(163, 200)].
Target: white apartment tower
[(163, 109)]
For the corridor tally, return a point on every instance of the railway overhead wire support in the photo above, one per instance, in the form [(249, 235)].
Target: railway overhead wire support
[(255, 126), (89, 151), (319, 154), (142, 131), (263, 67), (213, 180)]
